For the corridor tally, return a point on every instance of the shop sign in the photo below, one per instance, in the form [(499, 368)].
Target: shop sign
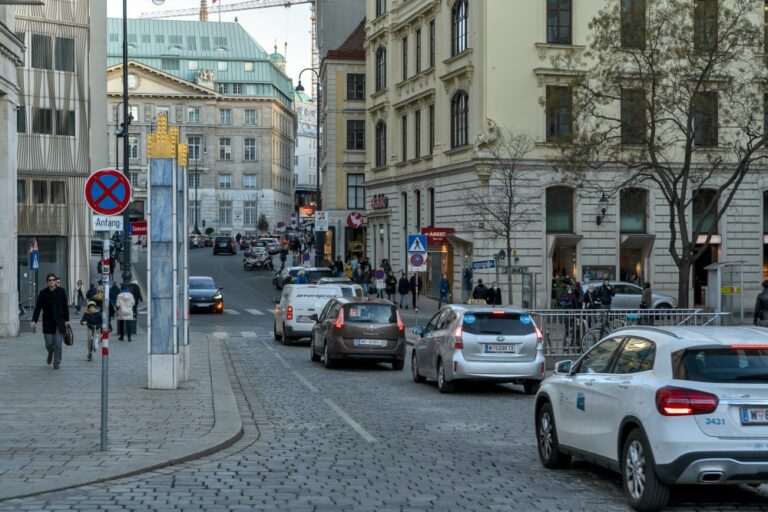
[(355, 220), (379, 202), (437, 235), (306, 212)]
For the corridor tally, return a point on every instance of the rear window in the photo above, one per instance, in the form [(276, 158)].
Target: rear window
[(715, 364), (370, 313), (314, 275), (223, 239), (503, 323)]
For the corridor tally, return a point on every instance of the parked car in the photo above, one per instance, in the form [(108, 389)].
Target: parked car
[(195, 242), (296, 306), (662, 406), (629, 296), (476, 342), (353, 328), (204, 294), (224, 244), (245, 243), (288, 274), (273, 245), (334, 280), (207, 241)]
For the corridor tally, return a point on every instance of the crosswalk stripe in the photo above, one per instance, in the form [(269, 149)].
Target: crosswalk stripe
[(248, 334), (222, 335), (254, 312), (231, 312)]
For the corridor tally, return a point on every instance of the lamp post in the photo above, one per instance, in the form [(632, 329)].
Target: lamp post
[(318, 198), (197, 179), (126, 265)]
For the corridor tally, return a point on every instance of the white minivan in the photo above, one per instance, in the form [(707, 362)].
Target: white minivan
[(299, 302)]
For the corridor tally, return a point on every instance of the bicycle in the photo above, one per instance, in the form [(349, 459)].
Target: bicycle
[(595, 334), (93, 340)]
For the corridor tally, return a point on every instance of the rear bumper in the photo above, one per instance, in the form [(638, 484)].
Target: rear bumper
[(716, 468), (298, 329), (497, 371), (339, 351)]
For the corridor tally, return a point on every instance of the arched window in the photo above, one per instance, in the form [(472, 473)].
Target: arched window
[(559, 210), (459, 27), (459, 119), (381, 68), (381, 144)]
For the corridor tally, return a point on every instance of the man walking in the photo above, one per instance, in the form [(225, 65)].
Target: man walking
[(445, 288), (415, 286), (52, 302)]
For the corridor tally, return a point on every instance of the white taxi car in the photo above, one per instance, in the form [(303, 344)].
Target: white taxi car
[(662, 406)]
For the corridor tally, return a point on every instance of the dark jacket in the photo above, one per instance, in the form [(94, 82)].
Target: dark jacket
[(761, 307), (136, 292), (445, 286), (90, 293), (92, 320), (480, 292), (53, 305), (391, 285), (569, 301), (415, 281), (647, 299), (605, 295), (493, 296), (402, 286), (588, 302)]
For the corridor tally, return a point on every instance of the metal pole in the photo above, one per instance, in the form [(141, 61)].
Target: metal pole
[(197, 178), (104, 340), (126, 267), (318, 250)]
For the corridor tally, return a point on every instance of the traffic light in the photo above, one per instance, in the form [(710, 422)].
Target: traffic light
[(203, 222)]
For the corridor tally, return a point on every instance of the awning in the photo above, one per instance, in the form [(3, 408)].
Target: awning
[(461, 237), (561, 240), (638, 241)]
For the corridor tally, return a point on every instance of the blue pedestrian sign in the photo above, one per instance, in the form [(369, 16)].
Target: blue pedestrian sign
[(417, 243), (478, 265), (35, 256)]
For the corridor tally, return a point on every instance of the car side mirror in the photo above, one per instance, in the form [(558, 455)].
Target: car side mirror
[(313, 318), (276, 300), (418, 331), (564, 367)]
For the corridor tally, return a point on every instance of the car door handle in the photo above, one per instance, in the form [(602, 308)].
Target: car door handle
[(623, 384), (589, 382)]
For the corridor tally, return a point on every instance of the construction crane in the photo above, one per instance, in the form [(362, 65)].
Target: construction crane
[(246, 6)]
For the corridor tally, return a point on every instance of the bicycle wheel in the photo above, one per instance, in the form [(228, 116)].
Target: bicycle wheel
[(591, 337)]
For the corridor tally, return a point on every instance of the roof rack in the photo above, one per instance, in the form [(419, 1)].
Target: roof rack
[(659, 330)]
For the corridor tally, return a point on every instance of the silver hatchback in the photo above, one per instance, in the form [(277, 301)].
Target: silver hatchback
[(467, 342)]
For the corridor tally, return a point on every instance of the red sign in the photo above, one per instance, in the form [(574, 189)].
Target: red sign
[(107, 192), (139, 228), (379, 202), (355, 220), (437, 235)]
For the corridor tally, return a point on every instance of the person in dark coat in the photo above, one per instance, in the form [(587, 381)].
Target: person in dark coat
[(91, 292), (480, 291), (493, 295), (403, 287), (135, 290), (761, 307), (339, 266), (416, 287), (605, 295), (390, 286), (445, 290), (52, 303)]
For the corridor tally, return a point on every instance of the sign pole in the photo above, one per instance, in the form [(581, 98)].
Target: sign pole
[(104, 341)]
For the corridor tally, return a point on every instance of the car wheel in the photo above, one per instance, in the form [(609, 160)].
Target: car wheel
[(278, 337), (312, 356), (327, 360), (546, 437), (444, 385), (398, 364), (415, 375), (663, 305), (643, 489), (531, 386)]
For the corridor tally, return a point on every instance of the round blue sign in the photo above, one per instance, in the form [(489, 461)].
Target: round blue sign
[(525, 319), (469, 319)]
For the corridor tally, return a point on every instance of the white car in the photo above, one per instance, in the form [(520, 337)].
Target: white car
[(662, 406), (297, 304)]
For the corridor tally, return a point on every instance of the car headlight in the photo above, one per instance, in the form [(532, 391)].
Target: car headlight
[(217, 296)]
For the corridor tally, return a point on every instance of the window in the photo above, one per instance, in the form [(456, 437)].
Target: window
[(559, 114), (191, 43), (431, 197), (39, 191), (193, 148), (250, 116), (417, 194), (633, 24), (355, 86), (65, 122), (559, 14), (404, 134), (355, 191), (133, 147), (432, 43), (225, 181), (637, 356), (405, 57), (221, 65), (237, 88), (703, 199), (194, 180), (225, 213), (633, 120), (249, 181), (459, 27), (634, 210), (705, 119), (381, 144), (417, 134), (65, 54), (21, 119), (163, 111), (559, 210), (431, 129), (249, 213), (600, 358), (194, 211), (249, 66), (381, 68), (404, 203), (727, 365), (21, 191), (192, 65), (221, 88), (381, 7), (169, 63), (705, 25), (225, 148), (418, 50), (133, 111), (193, 114), (42, 121), (159, 39), (459, 119), (225, 116), (249, 146), (42, 52), (355, 134), (58, 192)]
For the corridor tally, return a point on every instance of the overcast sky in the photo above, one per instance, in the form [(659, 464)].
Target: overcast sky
[(267, 26)]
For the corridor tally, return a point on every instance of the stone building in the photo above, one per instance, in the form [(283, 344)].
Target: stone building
[(234, 107)]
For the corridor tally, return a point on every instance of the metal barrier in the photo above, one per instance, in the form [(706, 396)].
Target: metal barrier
[(569, 333)]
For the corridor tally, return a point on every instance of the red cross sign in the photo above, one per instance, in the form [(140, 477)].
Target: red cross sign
[(107, 192)]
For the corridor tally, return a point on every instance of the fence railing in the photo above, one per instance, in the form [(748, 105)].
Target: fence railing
[(569, 333)]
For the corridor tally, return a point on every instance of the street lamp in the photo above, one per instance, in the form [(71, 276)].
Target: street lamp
[(197, 179), (126, 266), (319, 203)]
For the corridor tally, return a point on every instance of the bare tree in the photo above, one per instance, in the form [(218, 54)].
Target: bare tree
[(668, 92), (500, 206)]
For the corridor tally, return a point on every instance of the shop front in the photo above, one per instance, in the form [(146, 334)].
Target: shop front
[(355, 235), (440, 260)]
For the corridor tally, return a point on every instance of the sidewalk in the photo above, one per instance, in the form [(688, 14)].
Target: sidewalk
[(51, 418)]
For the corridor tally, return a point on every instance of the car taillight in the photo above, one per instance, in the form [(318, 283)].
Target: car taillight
[(458, 341), (400, 324), (339, 320), (498, 313), (539, 339), (289, 313), (672, 401)]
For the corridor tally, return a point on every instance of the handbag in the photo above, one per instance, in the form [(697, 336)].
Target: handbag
[(69, 337)]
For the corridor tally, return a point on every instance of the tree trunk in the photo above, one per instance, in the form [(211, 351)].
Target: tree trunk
[(684, 282), (509, 272)]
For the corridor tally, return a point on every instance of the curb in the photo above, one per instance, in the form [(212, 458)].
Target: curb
[(227, 430)]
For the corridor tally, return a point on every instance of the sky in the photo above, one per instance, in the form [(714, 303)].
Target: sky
[(267, 26)]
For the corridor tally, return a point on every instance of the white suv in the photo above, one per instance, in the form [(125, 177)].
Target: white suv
[(662, 406)]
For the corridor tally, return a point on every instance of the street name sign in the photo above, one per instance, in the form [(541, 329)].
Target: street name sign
[(107, 223)]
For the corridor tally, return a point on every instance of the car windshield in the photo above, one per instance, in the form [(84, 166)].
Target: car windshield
[(497, 322), (370, 313), (314, 275), (223, 239), (728, 364), (201, 283)]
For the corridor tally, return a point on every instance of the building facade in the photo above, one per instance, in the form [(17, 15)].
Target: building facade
[(442, 78), (233, 106), (305, 173), (343, 157), (62, 135)]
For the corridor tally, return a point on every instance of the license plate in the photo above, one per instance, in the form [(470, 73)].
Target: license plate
[(500, 349), (370, 343), (754, 415), (305, 320), (202, 304)]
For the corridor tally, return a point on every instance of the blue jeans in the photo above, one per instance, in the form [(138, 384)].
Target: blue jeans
[(53, 343), (443, 299)]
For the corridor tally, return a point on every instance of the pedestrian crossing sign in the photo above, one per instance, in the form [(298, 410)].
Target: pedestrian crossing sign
[(417, 243)]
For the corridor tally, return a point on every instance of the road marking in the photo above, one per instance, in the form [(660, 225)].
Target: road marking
[(231, 312), (285, 363), (221, 335), (255, 312), (305, 382), (352, 423), (248, 334)]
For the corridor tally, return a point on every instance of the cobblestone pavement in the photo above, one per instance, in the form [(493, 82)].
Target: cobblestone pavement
[(368, 439)]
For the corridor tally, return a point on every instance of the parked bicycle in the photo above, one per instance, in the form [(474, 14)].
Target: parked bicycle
[(607, 323)]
